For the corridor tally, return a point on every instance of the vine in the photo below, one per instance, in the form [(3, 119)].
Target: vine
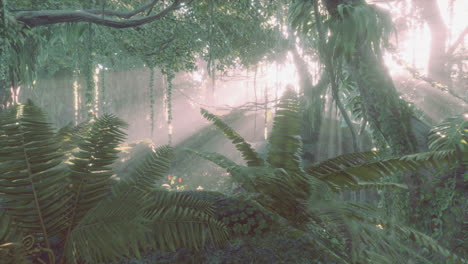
[(102, 80), (3, 53), (151, 97), (88, 73), (169, 87)]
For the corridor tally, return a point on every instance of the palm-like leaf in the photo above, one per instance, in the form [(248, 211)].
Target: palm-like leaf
[(90, 170), (69, 136), (451, 134), (303, 197), (248, 153), (154, 168), (32, 185), (39, 197), (177, 219), (285, 141), (326, 171), (238, 172), (358, 170), (11, 248), (111, 230)]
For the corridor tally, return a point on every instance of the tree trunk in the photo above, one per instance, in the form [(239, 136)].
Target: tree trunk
[(388, 116), (313, 106), (437, 59)]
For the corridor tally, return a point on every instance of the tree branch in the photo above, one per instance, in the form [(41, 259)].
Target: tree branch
[(457, 42), (49, 17), (121, 14)]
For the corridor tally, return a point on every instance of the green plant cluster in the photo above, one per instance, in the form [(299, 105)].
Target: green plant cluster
[(71, 210), (305, 198)]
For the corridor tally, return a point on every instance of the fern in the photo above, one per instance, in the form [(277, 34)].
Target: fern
[(285, 141), (73, 204), (69, 136), (238, 173), (109, 231), (305, 200), (11, 246), (250, 156), (357, 170), (153, 169), (324, 170), (32, 185), (90, 171), (451, 134)]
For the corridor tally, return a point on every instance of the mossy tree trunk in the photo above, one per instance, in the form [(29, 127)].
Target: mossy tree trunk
[(388, 116)]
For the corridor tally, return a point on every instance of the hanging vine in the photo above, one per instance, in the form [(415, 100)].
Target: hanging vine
[(3, 53), (88, 72), (102, 82), (255, 95), (211, 67), (151, 97), (265, 108), (76, 96), (169, 86)]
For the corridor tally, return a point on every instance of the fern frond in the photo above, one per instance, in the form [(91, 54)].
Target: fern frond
[(161, 199), (325, 170), (178, 221), (153, 168), (33, 187), (218, 159), (113, 229), (238, 172), (284, 193), (393, 246), (248, 153), (11, 248), (345, 175), (69, 136), (285, 141), (451, 134), (425, 241), (90, 171)]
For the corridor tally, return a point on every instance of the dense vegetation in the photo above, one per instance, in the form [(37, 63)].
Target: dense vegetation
[(81, 194)]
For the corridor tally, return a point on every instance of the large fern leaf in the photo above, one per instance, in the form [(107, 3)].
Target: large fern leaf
[(338, 182), (179, 220), (248, 153), (111, 230), (69, 136), (153, 168), (340, 173), (285, 141), (451, 134), (11, 246), (33, 188), (90, 171)]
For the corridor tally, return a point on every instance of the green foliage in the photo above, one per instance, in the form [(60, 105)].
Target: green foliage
[(360, 23), (69, 210), (34, 187), (152, 169), (302, 198), (451, 134), (285, 142), (90, 170), (242, 146), (11, 251)]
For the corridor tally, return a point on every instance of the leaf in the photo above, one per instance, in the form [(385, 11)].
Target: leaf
[(250, 156), (32, 184)]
